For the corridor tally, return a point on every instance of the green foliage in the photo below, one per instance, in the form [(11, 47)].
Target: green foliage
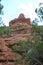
[(39, 11), (20, 47), (1, 7), (38, 44), (22, 43), (33, 51), (4, 30), (19, 26), (14, 48), (1, 13)]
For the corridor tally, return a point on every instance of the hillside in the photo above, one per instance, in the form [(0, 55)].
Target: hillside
[(21, 43)]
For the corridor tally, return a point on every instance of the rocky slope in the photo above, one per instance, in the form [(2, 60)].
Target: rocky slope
[(20, 29)]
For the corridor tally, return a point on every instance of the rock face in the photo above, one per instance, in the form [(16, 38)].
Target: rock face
[(20, 29), (20, 25)]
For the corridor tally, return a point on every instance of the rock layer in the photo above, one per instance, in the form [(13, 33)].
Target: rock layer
[(20, 29)]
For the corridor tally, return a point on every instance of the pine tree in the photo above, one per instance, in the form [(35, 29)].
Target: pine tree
[(1, 13)]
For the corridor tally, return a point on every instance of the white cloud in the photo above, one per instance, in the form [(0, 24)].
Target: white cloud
[(40, 23), (5, 21), (22, 6), (40, 1), (27, 9)]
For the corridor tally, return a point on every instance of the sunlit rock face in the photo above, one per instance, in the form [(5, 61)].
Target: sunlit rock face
[(20, 25), (20, 29), (21, 16)]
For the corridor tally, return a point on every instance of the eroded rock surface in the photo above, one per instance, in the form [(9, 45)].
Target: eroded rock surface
[(20, 29)]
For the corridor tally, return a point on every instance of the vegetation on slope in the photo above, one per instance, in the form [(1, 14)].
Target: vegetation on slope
[(31, 52), (4, 30)]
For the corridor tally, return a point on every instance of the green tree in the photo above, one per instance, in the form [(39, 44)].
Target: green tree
[(37, 32), (4, 30), (1, 13), (1, 7), (39, 11)]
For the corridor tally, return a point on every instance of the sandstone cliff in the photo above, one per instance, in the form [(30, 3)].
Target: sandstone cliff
[(20, 29)]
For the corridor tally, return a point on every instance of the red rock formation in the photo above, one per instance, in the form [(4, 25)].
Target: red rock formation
[(20, 25), (20, 29)]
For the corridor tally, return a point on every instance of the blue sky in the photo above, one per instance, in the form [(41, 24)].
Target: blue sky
[(12, 8)]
